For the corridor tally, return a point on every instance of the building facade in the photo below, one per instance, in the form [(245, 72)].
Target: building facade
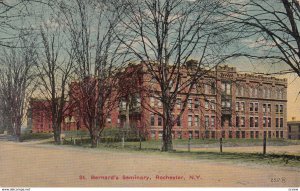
[(223, 103), (293, 129)]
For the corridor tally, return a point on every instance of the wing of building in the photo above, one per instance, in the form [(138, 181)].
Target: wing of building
[(223, 103)]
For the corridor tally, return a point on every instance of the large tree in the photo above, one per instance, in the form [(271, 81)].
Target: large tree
[(90, 25), (269, 27), (164, 35), (55, 69), (16, 80)]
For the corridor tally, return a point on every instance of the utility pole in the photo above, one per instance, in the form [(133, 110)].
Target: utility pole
[(221, 149), (189, 145), (265, 142)]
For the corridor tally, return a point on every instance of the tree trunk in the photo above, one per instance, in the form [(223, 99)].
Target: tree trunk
[(167, 139), (94, 139), (57, 133)]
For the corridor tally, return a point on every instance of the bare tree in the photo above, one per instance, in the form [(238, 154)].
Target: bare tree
[(55, 69), (90, 24), (269, 27), (14, 17), (164, 35), (16, 78)]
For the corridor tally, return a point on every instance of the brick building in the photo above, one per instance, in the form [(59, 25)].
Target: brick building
[(293, 129), (39, 117), (223, 103)]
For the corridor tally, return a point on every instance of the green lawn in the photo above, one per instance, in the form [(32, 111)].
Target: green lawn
[(35, 136), (153, 147)]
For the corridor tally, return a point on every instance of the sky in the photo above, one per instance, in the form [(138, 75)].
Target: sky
[(242, 65)]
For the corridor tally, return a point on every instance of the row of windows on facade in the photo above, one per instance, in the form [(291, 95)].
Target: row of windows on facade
[(226, 87), (253, 107), (290, 128), (260, 92), (212, 134), (210, 121), (209, 104)]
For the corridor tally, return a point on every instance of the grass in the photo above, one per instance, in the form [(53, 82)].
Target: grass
[(153, 147), (35, 136)]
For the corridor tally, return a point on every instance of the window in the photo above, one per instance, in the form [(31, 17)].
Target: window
[(206, 89), (190, 134), (178, 103), (251, 106), (190, 120), (212, 104), (264, 108), (152, 101), (213, 88), (123, 105), (152, 134), (277, 122), (269, 108), (190, 103), (206, 104), (281, 122), (256, 121), (242, 106), (243, 135), (206, 121), (226, 104), (152, 120), (196, 120), (256, 107), (264, 122), (251, 121), (237, 121), (280, 108), (179, 135), (197, 103), (159, 103), (108, 119), (160, 134), (238, 134), (226, 88), (242, 121), (178, 122), (237, 106), (213, 119), (159, 121), (269, 121)]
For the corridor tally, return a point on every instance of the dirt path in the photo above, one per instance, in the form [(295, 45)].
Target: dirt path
[(32, 165)]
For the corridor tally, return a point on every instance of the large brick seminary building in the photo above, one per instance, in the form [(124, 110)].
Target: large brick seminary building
[(224, 103)]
